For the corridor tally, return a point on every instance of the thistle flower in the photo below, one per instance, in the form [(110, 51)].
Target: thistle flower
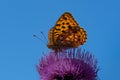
[(70, 65)]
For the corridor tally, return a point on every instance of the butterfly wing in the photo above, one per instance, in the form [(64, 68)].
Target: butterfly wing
[(66, 33), (72, 38)]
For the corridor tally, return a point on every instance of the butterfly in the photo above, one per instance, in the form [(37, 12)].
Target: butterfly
[(66, 34)]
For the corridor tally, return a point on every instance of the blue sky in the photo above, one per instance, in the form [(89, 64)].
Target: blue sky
[(20, 19)]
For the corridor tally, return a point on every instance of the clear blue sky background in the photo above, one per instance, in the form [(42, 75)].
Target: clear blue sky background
[(20, 19)]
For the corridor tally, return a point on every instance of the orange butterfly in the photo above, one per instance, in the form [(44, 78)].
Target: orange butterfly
[(66, 34)]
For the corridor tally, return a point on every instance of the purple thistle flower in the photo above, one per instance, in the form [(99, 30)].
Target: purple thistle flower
[(70, 65)]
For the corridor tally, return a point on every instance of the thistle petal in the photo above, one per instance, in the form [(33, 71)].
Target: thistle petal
[(70, 65)]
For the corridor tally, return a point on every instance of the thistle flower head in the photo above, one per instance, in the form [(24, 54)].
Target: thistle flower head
[(70, 65)]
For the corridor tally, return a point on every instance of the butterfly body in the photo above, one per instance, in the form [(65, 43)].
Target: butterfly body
[(66, 34)]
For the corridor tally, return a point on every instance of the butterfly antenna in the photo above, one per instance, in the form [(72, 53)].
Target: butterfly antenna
[(44, 36), (38, 38)]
